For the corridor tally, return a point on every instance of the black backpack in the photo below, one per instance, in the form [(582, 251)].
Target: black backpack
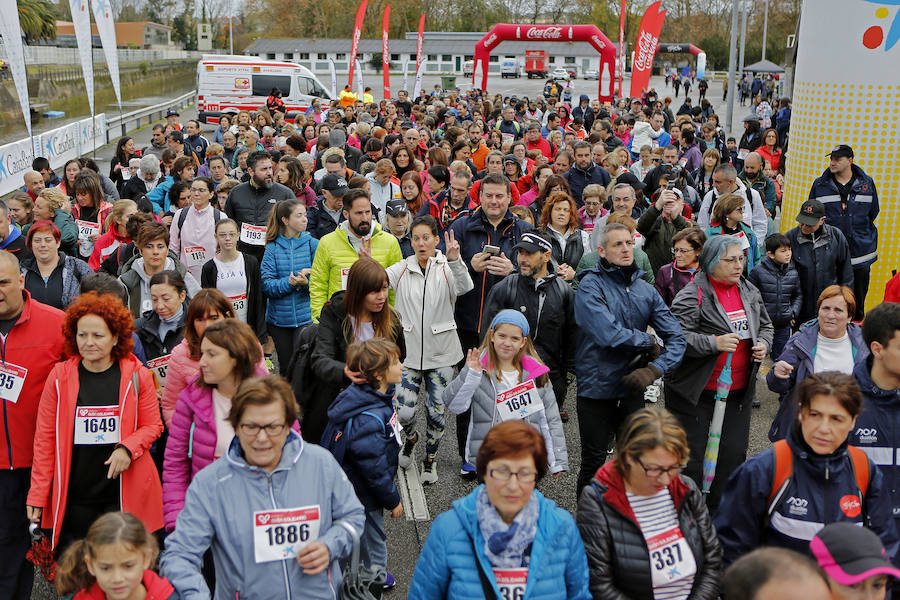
[(300, 372)]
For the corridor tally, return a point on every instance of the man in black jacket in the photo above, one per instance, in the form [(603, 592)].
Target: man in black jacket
[(548, 304)]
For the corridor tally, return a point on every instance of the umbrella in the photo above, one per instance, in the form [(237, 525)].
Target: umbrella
[(41, 553), (360, 583), (723, 386)]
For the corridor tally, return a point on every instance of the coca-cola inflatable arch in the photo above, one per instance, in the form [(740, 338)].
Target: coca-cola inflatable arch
[(502, 32)]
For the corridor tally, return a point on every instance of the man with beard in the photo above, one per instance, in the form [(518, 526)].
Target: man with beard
[(356, 236), (250, 203)]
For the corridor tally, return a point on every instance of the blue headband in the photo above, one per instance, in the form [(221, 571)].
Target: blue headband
[(512, 317)]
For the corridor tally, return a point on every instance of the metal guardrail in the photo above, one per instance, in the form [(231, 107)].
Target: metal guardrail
[(120, 125)]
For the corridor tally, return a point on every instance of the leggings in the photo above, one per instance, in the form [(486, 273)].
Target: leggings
[(285, 339), (435, 382)]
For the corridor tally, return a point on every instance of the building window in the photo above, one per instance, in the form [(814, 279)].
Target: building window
[(322, 56), (304, 56), (270, 56), (395, 57), (494, 59), (446, 57), (288, 56), (469, 57), (340, 56), (432, 57), (412, 57), (570, 60), (552, 60)]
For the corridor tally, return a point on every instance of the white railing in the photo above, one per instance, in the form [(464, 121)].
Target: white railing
[(60, 55), (117, 126)]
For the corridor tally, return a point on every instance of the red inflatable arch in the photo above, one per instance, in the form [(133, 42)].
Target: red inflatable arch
[(502, 32)]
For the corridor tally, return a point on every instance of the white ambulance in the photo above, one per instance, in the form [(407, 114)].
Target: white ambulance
[(228, 84)]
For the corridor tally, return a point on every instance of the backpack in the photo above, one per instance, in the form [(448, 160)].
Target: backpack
[(784, 469), (182, 217), (300, 372), (748, 192), (336, 435)]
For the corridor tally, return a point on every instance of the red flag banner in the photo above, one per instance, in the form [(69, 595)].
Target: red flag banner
[(645, 48), (620, 59), (385, 52), (419, 41), (354, 44)]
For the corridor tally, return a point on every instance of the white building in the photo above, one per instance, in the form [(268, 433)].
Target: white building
[(446, 52)]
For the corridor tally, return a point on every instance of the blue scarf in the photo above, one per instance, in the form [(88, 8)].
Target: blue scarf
[(507, 546)]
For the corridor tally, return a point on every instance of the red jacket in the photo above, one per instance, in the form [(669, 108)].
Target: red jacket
[(892, 289), (106, 245), (35, 343), (158, 588), (140, 491)]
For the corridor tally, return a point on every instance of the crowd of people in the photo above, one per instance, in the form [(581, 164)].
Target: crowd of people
[(220, 349)]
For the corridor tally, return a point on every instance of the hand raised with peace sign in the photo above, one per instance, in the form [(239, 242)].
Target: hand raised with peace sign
[(451, 246)]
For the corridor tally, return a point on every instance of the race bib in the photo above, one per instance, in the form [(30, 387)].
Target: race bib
[(743, 239), (739, 323), (743, 153), (194, 256), (254, 235), (345, 273), (519, 402), (239, 304), (671, 558), (396, 427), (158, 367), (87, 228), (654, 144), (96, 425), (281, 534), (12, 378), (511, 582), (508, 137)]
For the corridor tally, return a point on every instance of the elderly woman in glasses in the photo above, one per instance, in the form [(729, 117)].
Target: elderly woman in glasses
[(504, 534), (646, 528)]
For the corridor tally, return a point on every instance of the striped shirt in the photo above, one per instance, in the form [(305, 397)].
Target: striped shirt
[(656, 514)]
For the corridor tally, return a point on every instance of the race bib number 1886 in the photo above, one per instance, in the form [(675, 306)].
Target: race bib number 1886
[(281, 534)]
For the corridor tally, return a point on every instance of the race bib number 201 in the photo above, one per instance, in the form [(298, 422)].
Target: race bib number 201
[(281, 534)]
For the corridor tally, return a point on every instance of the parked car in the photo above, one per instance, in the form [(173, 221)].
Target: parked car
[(573, 72), (560, 73), (591, 74), (468, 68)]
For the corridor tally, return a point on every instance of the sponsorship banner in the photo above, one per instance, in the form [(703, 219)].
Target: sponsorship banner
[(354, 43), (15, 159), (385, 52), (621, 66), (11, 30), (106, 27), (360, 87), (847, 66), (406, 73), (645, 48), (81, 19), (91, 138), (420, 39), (418, 88), (60, 145), (333, 78)]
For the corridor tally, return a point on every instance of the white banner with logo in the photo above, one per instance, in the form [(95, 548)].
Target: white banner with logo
[(15, 159), (360, 87), (419, 74), (333, 78), (406, 74), (91, 138), (11, 31), (106, 27), (81, 19)]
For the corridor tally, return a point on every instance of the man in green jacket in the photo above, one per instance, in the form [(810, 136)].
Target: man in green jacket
[(356, 236)]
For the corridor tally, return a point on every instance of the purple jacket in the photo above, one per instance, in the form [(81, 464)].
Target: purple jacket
[(669, 281)]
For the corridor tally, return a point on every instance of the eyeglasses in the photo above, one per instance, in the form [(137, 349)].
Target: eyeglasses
[(683, 250), (227, 235), (734, 259), (655, 472), (503, 474), (252, 429)]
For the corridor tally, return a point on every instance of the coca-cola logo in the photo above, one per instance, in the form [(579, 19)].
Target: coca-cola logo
[(598, 42), (851, 506), (548, 33), (384, 45), (646, 48), (490, 40)]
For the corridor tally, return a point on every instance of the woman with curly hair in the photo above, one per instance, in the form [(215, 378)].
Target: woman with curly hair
[(97, 419)]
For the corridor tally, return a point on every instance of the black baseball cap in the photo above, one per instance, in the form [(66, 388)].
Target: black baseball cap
[(841, 151), (396, 206), (335, 184), (172, 113), (849, 553), (531, 243), (811, 212)]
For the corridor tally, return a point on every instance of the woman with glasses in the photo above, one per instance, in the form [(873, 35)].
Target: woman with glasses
[(192, 236), (268, 510), (646, 529), (728, 219), (505, 536), (727, 328), (200, 432), (686, 246)]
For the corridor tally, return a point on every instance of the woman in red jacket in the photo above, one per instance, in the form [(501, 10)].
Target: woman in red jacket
[(97, 419)]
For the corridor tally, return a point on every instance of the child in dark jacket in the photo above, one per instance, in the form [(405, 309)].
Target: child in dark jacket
[(779, 284), (369, 453)]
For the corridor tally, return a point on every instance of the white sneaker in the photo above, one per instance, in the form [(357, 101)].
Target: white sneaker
[(406, 452), (429, 472), (653, 391)]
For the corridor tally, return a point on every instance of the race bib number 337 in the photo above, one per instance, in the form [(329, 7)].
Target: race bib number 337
[(281, 534)]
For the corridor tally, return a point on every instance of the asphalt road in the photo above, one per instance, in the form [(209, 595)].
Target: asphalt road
[(405, 538)]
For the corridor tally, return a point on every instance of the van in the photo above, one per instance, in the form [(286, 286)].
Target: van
[(509, 68), (228, 84)]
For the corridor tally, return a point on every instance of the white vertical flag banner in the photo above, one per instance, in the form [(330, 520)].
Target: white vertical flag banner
[(360, 87), (419, 73), (81, 19), (106, 27), (406, 74), (15, 55), (333, 78)]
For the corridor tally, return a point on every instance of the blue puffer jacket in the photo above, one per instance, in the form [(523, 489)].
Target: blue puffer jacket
[(779, 286), (579, 178), (370, 461), (877, 429), (473, 232), (857, 220), (818, 488), (613, 308), (288, 306), (447, 570), (800, 352)]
